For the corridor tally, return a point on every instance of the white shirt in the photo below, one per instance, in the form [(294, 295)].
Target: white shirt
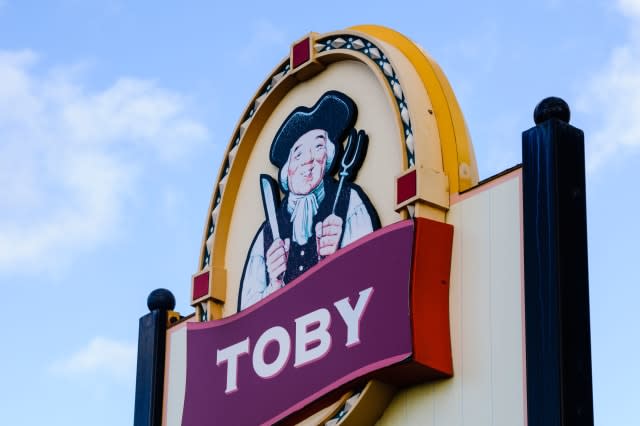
[(255, 286)]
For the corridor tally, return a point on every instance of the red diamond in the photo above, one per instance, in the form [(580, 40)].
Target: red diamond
[(406, 187), (301, 52)]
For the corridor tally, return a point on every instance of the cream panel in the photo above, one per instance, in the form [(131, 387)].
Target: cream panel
[(176, 375), (486, 319), (476, 309), (384, 160), (508, 300)]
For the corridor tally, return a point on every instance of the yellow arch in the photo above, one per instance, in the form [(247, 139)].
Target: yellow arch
[(459, 162)]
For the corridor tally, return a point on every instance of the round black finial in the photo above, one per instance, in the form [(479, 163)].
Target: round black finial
[(162, 299), (551, 107)]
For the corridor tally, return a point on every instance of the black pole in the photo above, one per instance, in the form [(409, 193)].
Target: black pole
[(558, 342), (151, 350)]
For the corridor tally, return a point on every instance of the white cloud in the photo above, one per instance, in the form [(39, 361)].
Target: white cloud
[(612, 98), (70, 157), (630, 7), (133, 110), (265, 36), (101, 356)]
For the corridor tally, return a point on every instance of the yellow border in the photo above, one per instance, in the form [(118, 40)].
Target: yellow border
[(457, 152)]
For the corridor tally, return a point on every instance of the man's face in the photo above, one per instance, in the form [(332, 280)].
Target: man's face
[(307, 160)]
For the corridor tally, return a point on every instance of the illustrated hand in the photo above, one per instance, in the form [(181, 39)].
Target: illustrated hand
[(328, 233), (276, 260)]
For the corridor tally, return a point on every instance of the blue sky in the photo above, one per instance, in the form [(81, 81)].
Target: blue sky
[(114, 116)]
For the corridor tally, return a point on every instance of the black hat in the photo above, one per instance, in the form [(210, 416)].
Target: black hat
[(334, 112)]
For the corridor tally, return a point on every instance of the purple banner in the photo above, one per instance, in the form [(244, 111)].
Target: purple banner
[(346, 317)]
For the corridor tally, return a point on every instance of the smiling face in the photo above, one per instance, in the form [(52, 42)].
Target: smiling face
[(307, 160)]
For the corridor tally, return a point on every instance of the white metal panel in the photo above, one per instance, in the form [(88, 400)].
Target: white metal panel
[(486, 312), (175, 375), (476, 309), (507, 332)]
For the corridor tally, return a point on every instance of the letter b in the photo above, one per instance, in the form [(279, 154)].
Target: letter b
[(305, 337)]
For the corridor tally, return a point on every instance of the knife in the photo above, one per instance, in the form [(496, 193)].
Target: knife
[(270, 194)]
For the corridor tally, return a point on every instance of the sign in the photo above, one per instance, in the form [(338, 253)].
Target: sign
[(343, 320), (329, 327), (326, 256)]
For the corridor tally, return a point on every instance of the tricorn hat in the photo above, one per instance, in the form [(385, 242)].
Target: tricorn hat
[(334, 112)]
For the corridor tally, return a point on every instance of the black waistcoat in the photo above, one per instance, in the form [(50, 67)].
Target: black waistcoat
[(303, 257)]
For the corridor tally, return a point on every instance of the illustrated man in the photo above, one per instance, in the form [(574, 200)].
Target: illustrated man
[(318, 215)]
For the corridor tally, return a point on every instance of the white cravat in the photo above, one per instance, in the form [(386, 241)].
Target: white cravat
[(303, 209)]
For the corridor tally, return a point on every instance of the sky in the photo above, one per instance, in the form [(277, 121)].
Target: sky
[(114, 116)]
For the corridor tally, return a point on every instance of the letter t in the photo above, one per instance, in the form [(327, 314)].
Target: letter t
[(230, 355)]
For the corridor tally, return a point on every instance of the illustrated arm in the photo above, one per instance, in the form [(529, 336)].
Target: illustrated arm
[(254, 281), (255, 285), (358, 222)]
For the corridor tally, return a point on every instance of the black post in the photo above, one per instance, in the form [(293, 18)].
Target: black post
[(151, 350), (558, 342)]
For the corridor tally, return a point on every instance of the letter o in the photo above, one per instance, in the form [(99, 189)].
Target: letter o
[(274, 334)]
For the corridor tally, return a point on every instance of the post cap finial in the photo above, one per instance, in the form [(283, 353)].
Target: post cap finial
[(161, 299), (551, 107)]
